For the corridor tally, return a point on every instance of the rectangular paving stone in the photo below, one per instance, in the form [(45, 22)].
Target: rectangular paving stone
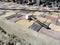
[(58, 23), (53, 20), (51, 33), (25, 23), (55, 16), (55, 27), (35, 27)]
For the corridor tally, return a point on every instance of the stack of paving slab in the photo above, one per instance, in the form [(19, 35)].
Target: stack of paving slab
[(29, 30)]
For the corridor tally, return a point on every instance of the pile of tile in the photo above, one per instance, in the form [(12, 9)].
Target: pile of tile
[(51, 19)]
